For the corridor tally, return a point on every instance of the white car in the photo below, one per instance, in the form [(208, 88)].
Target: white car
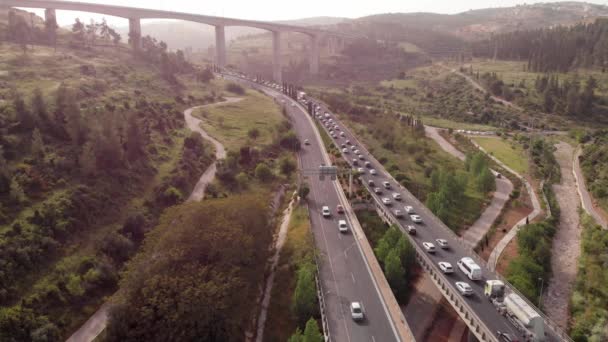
[(398, 213), (325, 211), (293, 104), (357, 152), (386, 201), (356, 311), (342, 134), (396, 196), (373, 172), (353, 147), (445, 267), (378, 191), (347, 142), (443, 243), (464, 288), (361, 170), (306, 142), (429, 247), (409, 209), (368, 164), (345, 151), (361, 157), (386, 185), (342, 226), (416, 218)]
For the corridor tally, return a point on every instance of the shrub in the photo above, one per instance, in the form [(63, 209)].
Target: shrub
[(235, 88), (263, 172)]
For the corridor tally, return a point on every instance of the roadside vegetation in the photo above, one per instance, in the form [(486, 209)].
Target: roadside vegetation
[(594, 164), (590, 298), (88, 160), (507, 151), (294, 297)]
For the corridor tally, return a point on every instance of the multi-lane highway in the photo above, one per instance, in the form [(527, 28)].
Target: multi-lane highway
[(429, 230), (344, 273)]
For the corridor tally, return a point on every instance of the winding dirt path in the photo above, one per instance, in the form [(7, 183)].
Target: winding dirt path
[(504, 187), (98, 321), (566, 243)]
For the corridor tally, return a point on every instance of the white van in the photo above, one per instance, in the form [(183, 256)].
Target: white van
[(470, 268)]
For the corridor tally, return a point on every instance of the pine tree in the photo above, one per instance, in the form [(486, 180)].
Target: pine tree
[(312, 332), (88, 159), (17, 194), (39, 109)]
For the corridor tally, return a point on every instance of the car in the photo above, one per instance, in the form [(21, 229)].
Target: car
[(343, 145), (342, 134), (398, 213), (409, 209), (396, 196), (505, 336), (342, 226), (373, 172), (326, 212), (353, 147), (355, 162), (326, 115), (429, 247), (331, 131), (386, 185), (443, 243), (361, 157), (370, 182), (377, 191), (445, 267), (347, 142), (340, 209), (464, 288), (361, 170), (357, 152), (411, 230), (293, 104), (386, 201), (306, 142), (368, 164), (345, 151), (416, 218), (356, 311), (334, 136)]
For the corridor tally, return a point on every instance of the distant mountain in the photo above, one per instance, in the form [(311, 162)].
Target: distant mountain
[(478, 24)]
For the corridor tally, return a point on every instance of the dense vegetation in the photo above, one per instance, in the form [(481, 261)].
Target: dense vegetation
[(589, 301), (87, 162), (397, 257), (558, 49), (594, 164), (206, 258)]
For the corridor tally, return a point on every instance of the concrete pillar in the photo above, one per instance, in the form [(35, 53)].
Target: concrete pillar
[(220, 46), (50, 15), (135, 33), (277, 64), (50, 21), (314, 55)]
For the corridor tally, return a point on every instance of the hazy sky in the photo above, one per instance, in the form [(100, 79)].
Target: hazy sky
[(294, 9)]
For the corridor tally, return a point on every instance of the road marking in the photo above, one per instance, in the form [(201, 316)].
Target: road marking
[(373, 339), (353, 276)]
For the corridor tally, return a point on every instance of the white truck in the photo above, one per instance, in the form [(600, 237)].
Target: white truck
[(517, 310)]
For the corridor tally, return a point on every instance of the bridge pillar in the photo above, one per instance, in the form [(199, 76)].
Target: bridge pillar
[(276, 57), (220, 46), (50, 15), (50, 21), (314, 54), (135, 33)]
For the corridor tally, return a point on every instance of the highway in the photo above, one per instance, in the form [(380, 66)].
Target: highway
[(344, 273), (430, 230)]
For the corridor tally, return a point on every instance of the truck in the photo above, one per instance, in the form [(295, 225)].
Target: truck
[(517, 310)]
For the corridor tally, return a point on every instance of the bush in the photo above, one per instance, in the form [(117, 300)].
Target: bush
[(235, 88), (263, 172), (171, 196)]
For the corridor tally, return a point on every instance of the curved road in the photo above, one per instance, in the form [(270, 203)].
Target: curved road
[(98, 321), (504, 187)]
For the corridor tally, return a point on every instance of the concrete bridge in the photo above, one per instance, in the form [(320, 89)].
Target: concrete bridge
[(134, 15)]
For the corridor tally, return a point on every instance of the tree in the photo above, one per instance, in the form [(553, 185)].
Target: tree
[(39, 109), (304, 301), (79, 31), (17, 194), (253, 133), (395, 274), (26, 119), (304, 191), (205, 76), (22, 33), (312, 332), (37, 145), (297, 336), (263, 172), (135, 140), (286, 165), (88, 158)]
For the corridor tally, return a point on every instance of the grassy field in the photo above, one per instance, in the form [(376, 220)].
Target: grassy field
[(298, 247), (445, 123), (229, 123), (510, 154)]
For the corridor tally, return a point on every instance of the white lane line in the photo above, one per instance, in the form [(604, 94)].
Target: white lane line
[(353, 276), (373, 339)]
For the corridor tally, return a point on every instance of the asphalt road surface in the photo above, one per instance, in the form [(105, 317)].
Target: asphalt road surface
[(344, 274)]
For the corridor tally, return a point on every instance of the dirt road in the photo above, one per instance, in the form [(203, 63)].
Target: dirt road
[(566, 243)]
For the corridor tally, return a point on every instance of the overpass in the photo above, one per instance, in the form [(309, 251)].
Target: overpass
[(135, 15)]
